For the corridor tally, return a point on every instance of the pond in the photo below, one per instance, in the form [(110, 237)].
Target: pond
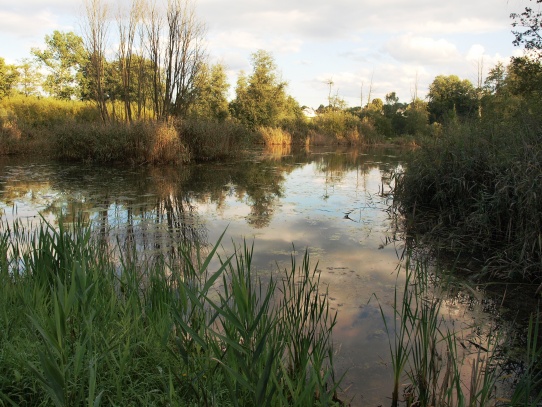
[(332, 203)]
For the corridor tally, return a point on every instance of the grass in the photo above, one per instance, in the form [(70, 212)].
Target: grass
[(435, 364), (138, 142), (86, 323), (212, 140), (476, 192)]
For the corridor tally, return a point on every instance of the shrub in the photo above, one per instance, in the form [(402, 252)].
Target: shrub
[(214, 140), (140, 142)]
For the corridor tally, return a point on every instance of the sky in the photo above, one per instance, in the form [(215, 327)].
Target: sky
[(360, 46)]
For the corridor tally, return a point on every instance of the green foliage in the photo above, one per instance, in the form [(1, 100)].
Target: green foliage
[(261, 98), (8, 78), (84, 323), (64, 57), (30, 78), (451, 98), (212, 90)]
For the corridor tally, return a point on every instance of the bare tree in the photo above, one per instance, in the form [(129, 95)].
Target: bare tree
[(127, 32), (175, 48), (95, 35)]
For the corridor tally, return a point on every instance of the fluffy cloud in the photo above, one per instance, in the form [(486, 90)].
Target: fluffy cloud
[(422, 50)]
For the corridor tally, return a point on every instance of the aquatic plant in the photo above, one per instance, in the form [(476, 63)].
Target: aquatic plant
[(86, 322), (436, 364), (476, 193)]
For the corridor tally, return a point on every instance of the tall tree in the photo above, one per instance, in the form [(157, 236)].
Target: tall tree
[(30, 78), (96, 31), (63, 56), (128, 27), (212, 93), (450, 98), (8, 78), (261, 99), (175, 47), (495, 78)]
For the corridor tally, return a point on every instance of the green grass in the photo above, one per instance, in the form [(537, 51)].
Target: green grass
[(476, 193), (84, 323)]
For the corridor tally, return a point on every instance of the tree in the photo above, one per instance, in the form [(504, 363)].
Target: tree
[(175, 46), (96, 29), (416, 118), (450, 98), (495, 78), (8, 78), (30, 78), (212, 90), (261, 99), (63, 56), (530, 33)]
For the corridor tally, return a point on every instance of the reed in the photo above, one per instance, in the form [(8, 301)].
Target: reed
[(273, 136), (83, 322), (138, 142), (476, 193), (437, 365), (210, 140)]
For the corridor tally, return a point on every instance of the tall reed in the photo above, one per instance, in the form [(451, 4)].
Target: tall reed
[(437, 364), (85, 322)]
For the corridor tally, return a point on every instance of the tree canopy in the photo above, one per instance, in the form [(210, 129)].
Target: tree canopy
[(261, 98), (64, 57), (450, 98)]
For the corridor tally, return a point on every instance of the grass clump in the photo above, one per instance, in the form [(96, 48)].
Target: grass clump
[(138, 142), (86, 323), (210, 140), (274, 136), (477, 192)]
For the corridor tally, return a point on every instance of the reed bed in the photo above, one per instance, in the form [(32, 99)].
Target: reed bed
[(436, 363), (84, 323), (138, 143), (476, 193)]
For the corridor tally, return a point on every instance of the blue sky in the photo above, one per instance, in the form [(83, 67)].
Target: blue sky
[(351, 42)]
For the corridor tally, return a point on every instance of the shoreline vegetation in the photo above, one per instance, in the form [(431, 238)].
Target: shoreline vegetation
[(73, 131), (87, 322), (84, 322)]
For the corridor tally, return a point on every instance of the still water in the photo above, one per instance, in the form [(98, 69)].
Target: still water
[(332, 203)]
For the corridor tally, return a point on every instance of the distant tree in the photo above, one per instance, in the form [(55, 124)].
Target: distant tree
[(8, 78), (524, 77), (495, 78), (529, 34), (261, 98), (416, 118), (391, 98), (211, 99), (63, 56), (450, 98), (30, 78)]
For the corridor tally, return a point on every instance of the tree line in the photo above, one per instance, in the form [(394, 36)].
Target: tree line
[(160, 69)]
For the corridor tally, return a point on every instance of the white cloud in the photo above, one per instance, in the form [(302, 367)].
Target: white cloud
[(422, 50)]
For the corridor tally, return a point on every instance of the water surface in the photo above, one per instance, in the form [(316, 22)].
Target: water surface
[(332, 203)]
